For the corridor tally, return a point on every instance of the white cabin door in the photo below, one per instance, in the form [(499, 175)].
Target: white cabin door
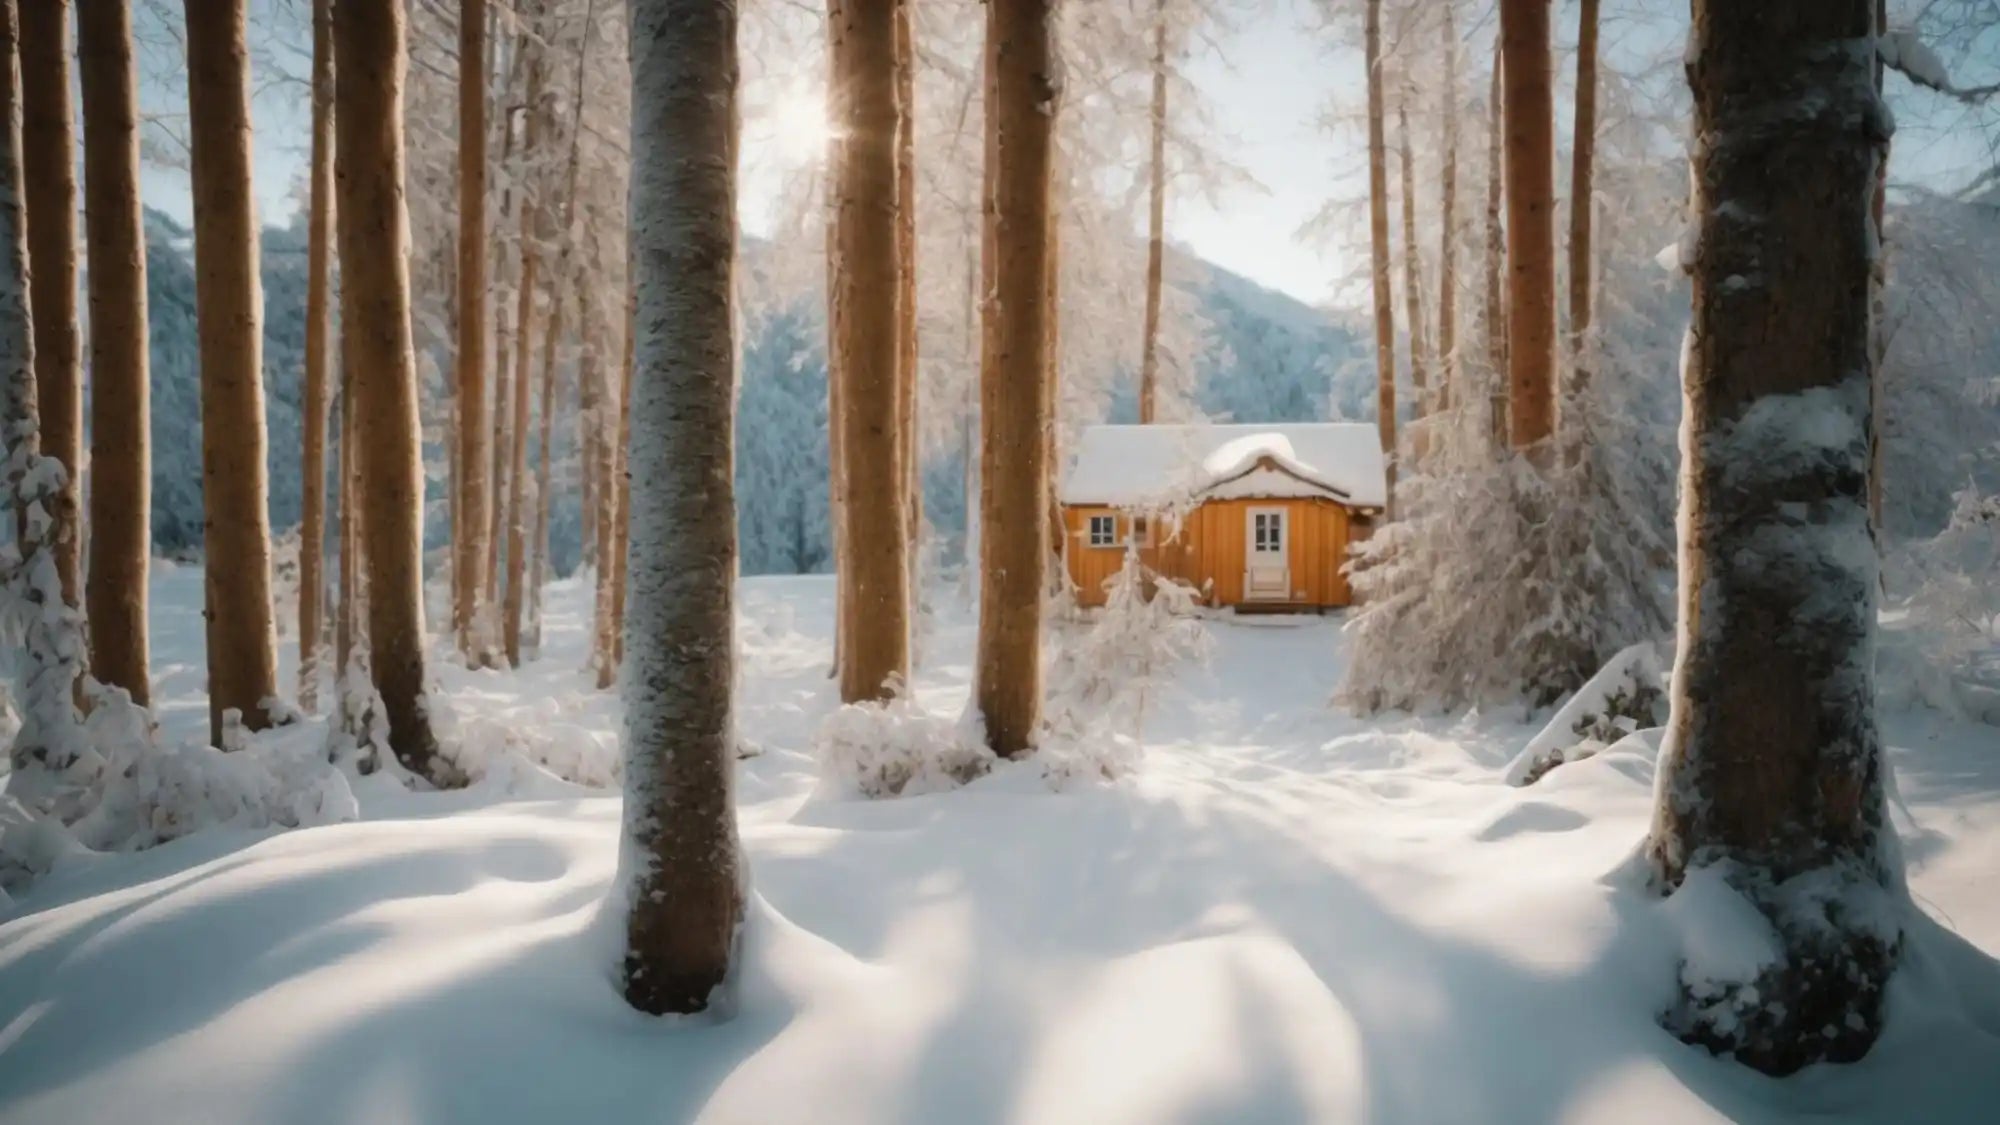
[(1267, 574)]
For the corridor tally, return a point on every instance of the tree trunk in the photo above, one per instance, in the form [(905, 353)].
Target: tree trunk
[(48, 148), (474, 428), (121, 488), (1448, 222), (319, 324), (242, 656), (876, 662), (836, 454), (1413, 281), (587, 388), (969, 421), (1529, 108), (345, 626), (910, 447), (1021, 118), (1583, 144), (545, 435), (1156, 228), (534, 212), (1055, 575), (621, 515), (603, 519), (1378, 247), (684, 876), (505, 376), (375, 305), (514, 603), (1496, 255), (51, 643), (1772, 773), (1879, 278)]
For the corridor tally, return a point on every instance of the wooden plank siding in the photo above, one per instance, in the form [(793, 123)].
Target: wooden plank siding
[(1208, 550)]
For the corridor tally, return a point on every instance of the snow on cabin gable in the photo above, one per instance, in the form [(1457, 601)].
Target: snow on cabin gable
[(1162, 466)]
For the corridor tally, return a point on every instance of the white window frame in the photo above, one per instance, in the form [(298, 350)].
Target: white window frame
[(1110, 536), (1279, 523)]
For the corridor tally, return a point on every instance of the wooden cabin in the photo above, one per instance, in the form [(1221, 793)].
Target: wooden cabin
[(1258, 518)]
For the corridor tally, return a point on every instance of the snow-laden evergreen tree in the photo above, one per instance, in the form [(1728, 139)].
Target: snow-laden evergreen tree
[(1505, 578), (1122, 657)]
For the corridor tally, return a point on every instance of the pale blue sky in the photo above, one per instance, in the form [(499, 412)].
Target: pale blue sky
[(1267, 84)]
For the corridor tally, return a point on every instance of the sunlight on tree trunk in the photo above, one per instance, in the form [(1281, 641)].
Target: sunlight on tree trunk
[(876, 661), (1529, 109)]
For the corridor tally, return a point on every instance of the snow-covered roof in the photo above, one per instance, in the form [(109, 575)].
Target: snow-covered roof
[(1156, 466)]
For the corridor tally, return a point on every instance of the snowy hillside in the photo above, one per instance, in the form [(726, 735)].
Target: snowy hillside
[(1286, 914)]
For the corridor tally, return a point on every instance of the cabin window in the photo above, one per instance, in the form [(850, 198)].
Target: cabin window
[(1142, 532), (1267, 532), (1104, 531)]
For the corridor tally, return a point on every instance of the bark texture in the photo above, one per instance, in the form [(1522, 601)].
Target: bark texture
[(48, 147), (682, 868), (876, 660), (1496, 253), (622, 514), (1378, 249), (1771, 772), (346, 614), (121, 492), (545, 432), (1156, 224), (836, 110), (319, 329), (50, 739), (474, 430), (603, 527), (1529, 110), (534, 214), (1014, 372), (910, 440), (1583, 153), (369, 44), (1413, 279), (1448, 221), (236, 529)]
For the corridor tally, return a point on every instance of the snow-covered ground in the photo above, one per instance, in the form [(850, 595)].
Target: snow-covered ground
[(1286, 914)]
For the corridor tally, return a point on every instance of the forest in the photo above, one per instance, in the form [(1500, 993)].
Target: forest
[(999, 560)]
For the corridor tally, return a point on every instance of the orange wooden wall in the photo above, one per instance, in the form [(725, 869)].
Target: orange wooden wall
[(1208, 552)]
